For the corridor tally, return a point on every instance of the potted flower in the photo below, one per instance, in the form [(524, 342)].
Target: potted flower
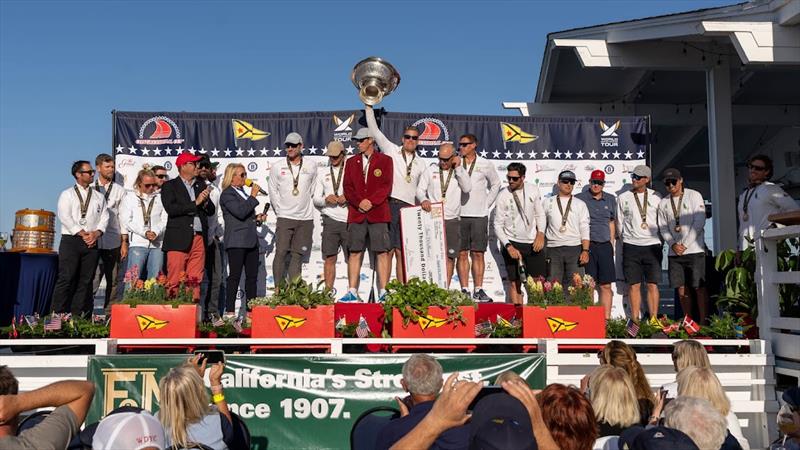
[(423, 309), (150, 310), (555, 311), (297, 310)]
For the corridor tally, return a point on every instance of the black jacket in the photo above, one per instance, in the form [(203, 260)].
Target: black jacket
[(182, 210), (240, 219)]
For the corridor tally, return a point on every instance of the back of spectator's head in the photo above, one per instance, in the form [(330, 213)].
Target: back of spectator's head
[(569, 416), (613, 396), (8, 382), (699, 420), (620, 354), (422, 375), (656, 438), (129, 430), (184, 400), (501, 422), (701, 382), (689, 353), (508, 375)]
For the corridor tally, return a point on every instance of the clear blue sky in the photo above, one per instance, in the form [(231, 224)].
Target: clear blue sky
[(64, 65)]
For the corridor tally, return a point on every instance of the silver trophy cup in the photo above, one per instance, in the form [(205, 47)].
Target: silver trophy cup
[(374, 78)]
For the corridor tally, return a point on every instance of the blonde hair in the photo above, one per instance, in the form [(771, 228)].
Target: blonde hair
[(701, 382), (620, 354), (184, 401), (613, 396), (228, 177), (142, 173), (689, 353)]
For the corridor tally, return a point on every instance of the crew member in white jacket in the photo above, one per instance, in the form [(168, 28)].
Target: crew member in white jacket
[(436, 186), (142, 219), (329, 198), (567, 231), (681, 220)]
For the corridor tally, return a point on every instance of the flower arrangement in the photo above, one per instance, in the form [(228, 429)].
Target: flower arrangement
[(501, 328), (155, 291), (297, 292), (542, 292), (415, 297), (56, 326)]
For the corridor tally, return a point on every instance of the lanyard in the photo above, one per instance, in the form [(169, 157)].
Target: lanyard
[(147, 212), (84, 206), (676, 211), (295, 179), (442, 183), (408, 164), (564, 213), (748, 194), (336, 181), (471, 166), (642, 210), (108, 191), (519, 205)]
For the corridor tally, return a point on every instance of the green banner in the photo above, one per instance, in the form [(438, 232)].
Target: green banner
[(295, 402)]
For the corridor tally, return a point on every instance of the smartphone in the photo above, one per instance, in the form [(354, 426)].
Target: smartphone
[(211, 356), (486, 390)]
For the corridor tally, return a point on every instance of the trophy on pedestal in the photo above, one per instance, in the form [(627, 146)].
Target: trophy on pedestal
[(374, 78)]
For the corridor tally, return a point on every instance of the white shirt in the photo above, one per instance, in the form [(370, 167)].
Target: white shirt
[(577, 222), (281, 184), (631, 221), (767, 199), (692, 213), (112, 237), (430, 188), (215, 222), (323, 187), (131, 219), (485, 187), (401, 189), (509, 225), (69, 211)]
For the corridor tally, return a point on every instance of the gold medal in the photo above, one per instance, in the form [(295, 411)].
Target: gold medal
[(295, 191), (562, 229), (82, 221), (677, 228), (644, 225), (408, 178)]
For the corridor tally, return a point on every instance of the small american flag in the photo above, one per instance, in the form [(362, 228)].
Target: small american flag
[(54, 324), (362, 330), (218, 321), (483, 329), (237, 325), (341, 323), (31, 321), (690, 325), (632, 327)]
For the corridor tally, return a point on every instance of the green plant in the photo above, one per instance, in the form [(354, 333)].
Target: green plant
[(71, 327), (296, 292), (580, 292), (725, 326), (348, 330), (415, 297), (789, 261), (227, 329), (738, 293), (615, 329), (155, 290)]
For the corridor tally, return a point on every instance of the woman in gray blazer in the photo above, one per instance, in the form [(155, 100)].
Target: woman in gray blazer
[(241, 239)]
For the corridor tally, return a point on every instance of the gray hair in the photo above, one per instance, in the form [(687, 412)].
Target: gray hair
[(699, 420), (423, 374)]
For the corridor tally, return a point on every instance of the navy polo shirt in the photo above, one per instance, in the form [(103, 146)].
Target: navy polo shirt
[(601, 212), (452, 439)]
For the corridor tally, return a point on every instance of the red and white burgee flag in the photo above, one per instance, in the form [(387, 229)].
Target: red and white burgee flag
[(690, 325)]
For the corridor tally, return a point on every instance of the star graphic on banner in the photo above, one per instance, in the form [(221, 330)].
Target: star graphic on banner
[(605, 155), (546, 154), (483, 153), (179, 149), (423, 152), (313, 150), (520, 155), (215, 152), (557, 154), (628, 154), (616, 154), (120, 149), (251, 152), (640, 154), (191, 149), (228, 152), (157, 151), (579, 155), (568, 154), (532, 154), (239, 152), (276, 151), (145, 151), (593, 154), (202, 150), (263, 151), (349, 149), (509, 155), (324, 149), (167, 151), (132, 150), (495, 154)]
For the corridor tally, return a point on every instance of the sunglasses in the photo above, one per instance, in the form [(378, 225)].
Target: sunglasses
[(671, 182), (412, 137), (149, 185), (335, 156), (90, 172), (510, 178), (242, 175), (464, 144), (445, 159), (162, 176), (293, 145), (758, 168), (635, 177), (565, 181), (359, 140), (598, 182)]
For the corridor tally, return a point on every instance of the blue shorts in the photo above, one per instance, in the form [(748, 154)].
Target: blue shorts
[(601, 262)]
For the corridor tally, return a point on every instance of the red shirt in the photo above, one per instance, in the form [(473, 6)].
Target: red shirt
[(376, 189)]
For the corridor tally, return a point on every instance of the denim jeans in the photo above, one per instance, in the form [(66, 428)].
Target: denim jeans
[(152, 259)]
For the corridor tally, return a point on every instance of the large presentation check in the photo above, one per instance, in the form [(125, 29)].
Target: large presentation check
[(424, 243)]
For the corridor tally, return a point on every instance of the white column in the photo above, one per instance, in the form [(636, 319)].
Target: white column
[(720, 149)]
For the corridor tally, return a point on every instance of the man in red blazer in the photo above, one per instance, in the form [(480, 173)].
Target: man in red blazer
[(367, 185)]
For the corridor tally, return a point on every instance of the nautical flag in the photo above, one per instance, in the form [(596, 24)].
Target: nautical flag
[(341, 323), (246, 130), (286, 321), (513, 133), (558, 324), (503, 322), (690, 325), (632, 327), (362, 330)]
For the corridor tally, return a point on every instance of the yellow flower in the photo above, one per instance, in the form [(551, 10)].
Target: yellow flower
[(149, 284)]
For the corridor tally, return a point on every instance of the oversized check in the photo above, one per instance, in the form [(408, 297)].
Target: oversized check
[(424, 243)]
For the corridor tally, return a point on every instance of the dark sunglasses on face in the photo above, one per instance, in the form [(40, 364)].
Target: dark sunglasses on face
[(412, 137), (90, 172), (565, 181), (671, 182), (635, 177), (598, 182), (758, 168), (292, 145), (510, 178), (358, 141), (243, 175), (149, 185), (464, 144), (445, 159), (162, 176)]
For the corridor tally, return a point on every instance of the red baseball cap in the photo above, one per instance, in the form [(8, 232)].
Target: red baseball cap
[(598, 175), (186, 157)]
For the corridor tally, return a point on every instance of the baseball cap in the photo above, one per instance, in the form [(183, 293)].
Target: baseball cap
[(335, 148), (792, 397), (186, 157), (206, 161), (129, 430), (567, 175), (598, 175), (671, 174), (293, 138), (642, 171), (362, 133), (501, 422), (657, 438)]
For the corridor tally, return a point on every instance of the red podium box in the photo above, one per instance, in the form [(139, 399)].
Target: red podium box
[(153, 321), (435, 325), (488, 312), (292, 322), (563, 322)]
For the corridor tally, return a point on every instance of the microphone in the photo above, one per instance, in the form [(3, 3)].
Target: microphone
[(248, 182)]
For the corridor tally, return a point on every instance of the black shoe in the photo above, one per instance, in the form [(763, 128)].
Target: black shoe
[(481, 297)]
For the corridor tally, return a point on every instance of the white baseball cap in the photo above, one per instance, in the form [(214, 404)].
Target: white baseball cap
[(129, 430)]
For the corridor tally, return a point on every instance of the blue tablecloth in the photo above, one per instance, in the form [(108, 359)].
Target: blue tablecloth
[(26, 284)]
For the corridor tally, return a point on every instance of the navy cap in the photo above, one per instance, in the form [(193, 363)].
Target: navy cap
[(567, 175), (501, 422), (658, 438), (792, 397)]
